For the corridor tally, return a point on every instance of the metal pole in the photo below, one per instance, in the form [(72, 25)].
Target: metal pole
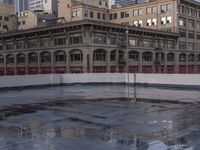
[(135, 90), (127, 62)]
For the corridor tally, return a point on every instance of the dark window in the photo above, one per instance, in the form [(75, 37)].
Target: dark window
[(75, 38), (98, 15)]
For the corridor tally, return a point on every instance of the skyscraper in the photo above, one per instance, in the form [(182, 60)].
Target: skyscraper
[(21, 5), (127, 2), (7, 1)]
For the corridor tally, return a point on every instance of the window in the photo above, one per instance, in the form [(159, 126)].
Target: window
[(182, 45), (6, 18), (169, 19), (20, 44), (163, 20), (198, 36), (75, 38), (91, 14), (32, 43), (21, 58), (10, 59), (137, 12), (133, 55), (99, 55), (151, 10), (1, 59), (45, 42), (191, 24), (45, 57), (191, 34), (112, 39), (170, 44), (76, 13), (166, 7), (147, 43), (170, 57), (59, 40), (148, 22), (32, 58), (154, 21), (137, 23), (98, 15), (76, 55), (60, 56), (99, 38), (190, 46), (182, 33), (115, 15), (124, 14), (182, 22), (147, 56)]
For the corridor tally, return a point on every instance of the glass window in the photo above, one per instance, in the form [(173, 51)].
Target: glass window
[(75, 38), (99, 38)]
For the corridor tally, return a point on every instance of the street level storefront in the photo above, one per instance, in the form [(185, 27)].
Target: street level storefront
[(93, 47)]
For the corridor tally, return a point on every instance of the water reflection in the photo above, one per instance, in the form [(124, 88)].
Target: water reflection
[(10, 136)]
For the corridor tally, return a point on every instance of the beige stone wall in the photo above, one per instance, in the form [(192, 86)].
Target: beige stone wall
[(71, 12), (7, 11), (158, 15), (30, 20)]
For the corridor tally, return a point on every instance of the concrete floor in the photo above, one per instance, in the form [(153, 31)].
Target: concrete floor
[(98, 118)]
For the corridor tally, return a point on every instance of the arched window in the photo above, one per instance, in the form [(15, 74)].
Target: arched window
[(10, 59), (99, 55), (1, 59), (198, 58), (147, 56), (76, 55), (32, 58), (60, 56), (170, 57), (133, 55), (182, 57), (159, 56), (191, 57), (21, 58), (45, 57)]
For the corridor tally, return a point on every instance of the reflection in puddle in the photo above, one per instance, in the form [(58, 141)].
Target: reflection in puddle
[(31, 132)]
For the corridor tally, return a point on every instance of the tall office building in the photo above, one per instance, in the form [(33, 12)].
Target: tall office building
[(21, 5), (127, 2), (7, 1)]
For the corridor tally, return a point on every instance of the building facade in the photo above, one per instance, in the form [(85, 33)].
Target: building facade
[(32, 19), (7, 18), (21, 5), (76, 11), (94, 47), (48, 6)]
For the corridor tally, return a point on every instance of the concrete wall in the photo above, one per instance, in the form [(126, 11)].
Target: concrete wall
[(164, 79)]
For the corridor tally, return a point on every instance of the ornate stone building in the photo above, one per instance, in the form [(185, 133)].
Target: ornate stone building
[(91, 46)]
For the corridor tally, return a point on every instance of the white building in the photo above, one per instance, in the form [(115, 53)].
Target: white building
[(50, 6)]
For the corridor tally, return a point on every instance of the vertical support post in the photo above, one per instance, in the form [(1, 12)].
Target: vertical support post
[(135, 86), (127, 62)]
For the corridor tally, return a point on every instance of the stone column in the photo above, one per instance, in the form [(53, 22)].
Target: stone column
[(140, 62), (52, 63), (176, 62)]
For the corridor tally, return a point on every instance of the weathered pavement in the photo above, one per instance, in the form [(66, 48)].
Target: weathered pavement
[(98, 117)]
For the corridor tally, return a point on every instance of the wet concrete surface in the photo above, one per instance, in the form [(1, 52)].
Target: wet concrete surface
[(98, 118)]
